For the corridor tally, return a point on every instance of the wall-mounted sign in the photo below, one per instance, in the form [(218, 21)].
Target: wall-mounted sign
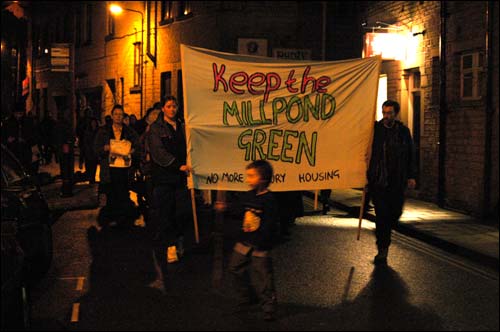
[(292, 54), (391, 46), (60, 57), (252, 46)]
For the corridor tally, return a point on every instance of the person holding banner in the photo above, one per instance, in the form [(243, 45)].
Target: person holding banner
[(166, 144), (390, 172)]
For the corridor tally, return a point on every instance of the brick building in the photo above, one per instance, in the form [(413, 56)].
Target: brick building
[(107, 47), (445, 94), (449, 94)]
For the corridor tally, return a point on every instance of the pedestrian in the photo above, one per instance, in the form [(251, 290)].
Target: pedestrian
[(115, 146), (135, 125), (145, 196), (166, 144), (47, 126), (324, 195), (81, 125), (126, 119), (290, 207), (19, 135), (65, 149), (108, 121), (91, 158), (251, 253), (390, 172)]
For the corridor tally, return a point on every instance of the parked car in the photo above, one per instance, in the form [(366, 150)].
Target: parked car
[(24, 204), (15, 303)]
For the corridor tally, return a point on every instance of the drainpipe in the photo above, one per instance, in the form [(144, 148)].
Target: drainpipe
[(323, 31), (489, 110), (442, 109)]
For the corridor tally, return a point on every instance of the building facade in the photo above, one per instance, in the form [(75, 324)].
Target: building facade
[(134, 58), (446, 80), (440, 63)]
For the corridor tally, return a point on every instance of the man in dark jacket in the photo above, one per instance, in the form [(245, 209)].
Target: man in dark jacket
[(166, 144), (390, 172)]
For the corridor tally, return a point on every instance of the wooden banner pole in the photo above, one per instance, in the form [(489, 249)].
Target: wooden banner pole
[(195, 217), (316, 192), (361, 211), (218, 259)]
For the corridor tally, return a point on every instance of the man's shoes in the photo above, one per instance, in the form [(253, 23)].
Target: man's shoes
[(381, 257)]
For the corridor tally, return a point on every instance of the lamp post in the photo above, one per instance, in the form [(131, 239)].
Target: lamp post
[(117, 10)]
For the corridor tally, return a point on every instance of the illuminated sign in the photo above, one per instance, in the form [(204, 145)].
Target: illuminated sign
[(391, 46)]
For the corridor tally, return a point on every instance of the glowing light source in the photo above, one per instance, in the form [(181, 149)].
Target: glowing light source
[(391, 46), (115, 9)]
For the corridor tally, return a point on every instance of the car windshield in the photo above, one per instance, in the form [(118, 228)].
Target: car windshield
[(12, 170)]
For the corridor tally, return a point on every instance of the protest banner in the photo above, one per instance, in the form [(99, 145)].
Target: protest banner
[(313, 121)]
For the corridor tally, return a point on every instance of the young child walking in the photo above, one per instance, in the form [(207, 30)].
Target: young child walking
[(251, 253)]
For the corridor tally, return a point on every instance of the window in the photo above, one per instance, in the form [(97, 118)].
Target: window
[(111, 25), (83, 24), (166, 84), (112, 87), (166, 12), (381, 95), (180, 95), (471, 66), (137, 64), (151, 25), (68, 30), (183, 10)]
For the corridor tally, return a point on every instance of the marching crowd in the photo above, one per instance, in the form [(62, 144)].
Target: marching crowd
[(149, 156)]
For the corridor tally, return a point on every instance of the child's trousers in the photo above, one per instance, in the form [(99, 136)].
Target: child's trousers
[(242, 267)]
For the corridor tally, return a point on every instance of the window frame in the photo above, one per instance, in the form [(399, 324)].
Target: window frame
[(474, 70)]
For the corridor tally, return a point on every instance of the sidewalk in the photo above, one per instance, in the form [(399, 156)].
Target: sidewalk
[(449, 230), (85, 195)]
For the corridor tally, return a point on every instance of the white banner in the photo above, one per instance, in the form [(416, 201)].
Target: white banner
[(313, 121)]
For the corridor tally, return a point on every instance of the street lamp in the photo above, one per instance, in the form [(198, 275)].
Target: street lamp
[(117, 10)]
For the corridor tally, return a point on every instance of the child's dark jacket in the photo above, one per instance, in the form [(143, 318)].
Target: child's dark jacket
[(264, 208)]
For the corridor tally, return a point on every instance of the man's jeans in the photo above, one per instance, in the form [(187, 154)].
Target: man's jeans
[(388, 208)]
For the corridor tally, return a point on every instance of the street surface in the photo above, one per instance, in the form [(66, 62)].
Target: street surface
[(325, 280)]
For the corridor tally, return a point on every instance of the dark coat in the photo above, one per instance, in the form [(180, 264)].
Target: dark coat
[(103, 137), (167, 148), (392, 161)]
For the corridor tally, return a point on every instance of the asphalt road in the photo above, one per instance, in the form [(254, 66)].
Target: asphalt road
[(325, 280)]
